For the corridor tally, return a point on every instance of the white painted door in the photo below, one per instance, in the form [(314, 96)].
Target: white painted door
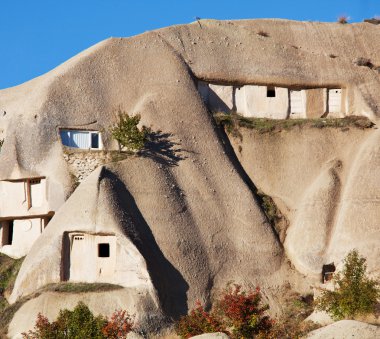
[(297, 105), (335, 100), (81, 258)]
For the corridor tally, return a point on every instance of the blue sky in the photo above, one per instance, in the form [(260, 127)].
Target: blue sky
[(38, 35)]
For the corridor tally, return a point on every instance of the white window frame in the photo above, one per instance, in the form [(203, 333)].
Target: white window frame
[(89, 134)]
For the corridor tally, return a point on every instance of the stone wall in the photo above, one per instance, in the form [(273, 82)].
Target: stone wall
[(83, 162)]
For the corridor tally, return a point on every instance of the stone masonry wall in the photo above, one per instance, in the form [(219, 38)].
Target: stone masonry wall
[(82, 163)]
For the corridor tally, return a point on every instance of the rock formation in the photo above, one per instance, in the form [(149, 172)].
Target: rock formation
[(184, 214)]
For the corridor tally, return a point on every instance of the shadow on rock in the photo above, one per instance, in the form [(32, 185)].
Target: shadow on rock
[(161, 148), (167, 280)]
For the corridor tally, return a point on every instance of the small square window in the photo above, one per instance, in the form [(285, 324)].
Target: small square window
[(103, 250), (94, 140), (271, 92)]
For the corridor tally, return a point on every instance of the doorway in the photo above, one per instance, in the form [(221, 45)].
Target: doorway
[(7, 233)]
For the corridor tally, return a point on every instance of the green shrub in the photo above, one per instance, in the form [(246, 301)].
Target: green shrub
[(81, 323), (127, 134), (354, 294)]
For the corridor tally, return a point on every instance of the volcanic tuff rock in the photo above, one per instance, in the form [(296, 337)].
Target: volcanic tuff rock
[(187, 218), (346, 329)]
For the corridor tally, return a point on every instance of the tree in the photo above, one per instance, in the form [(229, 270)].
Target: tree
[(354, 294), (127, 134)]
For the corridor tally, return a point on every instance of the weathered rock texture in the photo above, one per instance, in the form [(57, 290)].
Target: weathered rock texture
[(312, 176), (186, 218), (346, 329)]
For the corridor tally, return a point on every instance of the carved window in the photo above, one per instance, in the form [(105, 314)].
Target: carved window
[(271, 92), (104, 250), (81, 139)]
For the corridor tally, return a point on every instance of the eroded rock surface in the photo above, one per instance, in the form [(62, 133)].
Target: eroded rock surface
[(185, 217)]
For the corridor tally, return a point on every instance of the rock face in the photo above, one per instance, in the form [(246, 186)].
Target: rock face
[(309, 174), (346, 329), (212, 336), (184, 217)]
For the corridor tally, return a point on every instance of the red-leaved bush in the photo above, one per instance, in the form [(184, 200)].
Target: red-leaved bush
[(238, 313), (242, 312), (197, 322), (120, 324), (42, 329)]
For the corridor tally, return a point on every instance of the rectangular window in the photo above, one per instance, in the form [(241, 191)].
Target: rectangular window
[(80, 139), (271, 92), (103, 250), (94, 140)]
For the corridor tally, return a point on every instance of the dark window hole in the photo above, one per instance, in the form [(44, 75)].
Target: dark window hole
[(271, 92), (328, 272), (103, 250)]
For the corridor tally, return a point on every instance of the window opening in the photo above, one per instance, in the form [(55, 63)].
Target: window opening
[(94, 140), (271, 92), (103, 250), (328, 272), (80, 139)]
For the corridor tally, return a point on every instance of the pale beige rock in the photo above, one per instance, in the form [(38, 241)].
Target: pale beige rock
[(220, 98), (133, 335), (184, 213), (346, 329), (309, 234), (320, 317), (312, 175), (212, 336)]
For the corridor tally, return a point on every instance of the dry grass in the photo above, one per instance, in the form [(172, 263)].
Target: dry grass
[(232, 122), (8, 272)]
